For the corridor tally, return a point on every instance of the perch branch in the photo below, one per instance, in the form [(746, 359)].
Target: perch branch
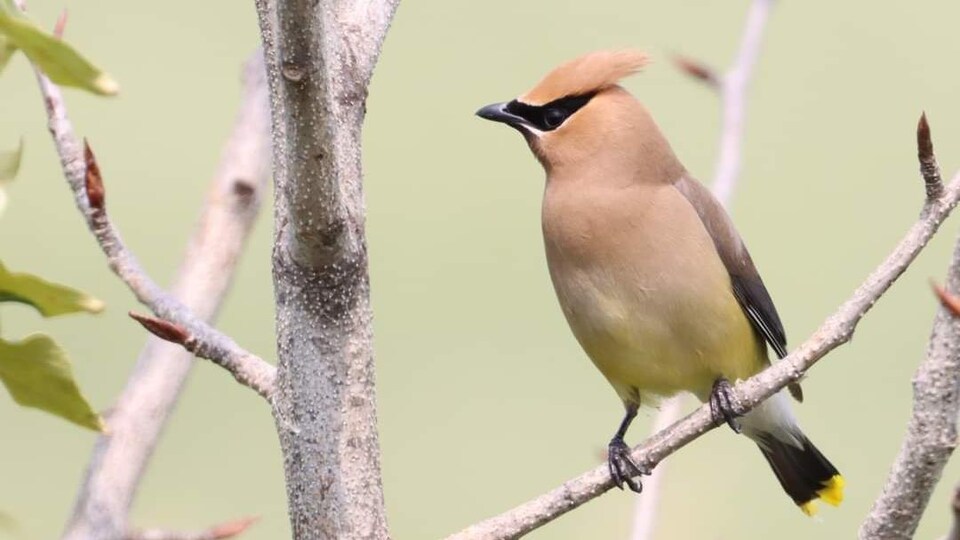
[(835, 331), (932, 430), (138, 417), (732, 87)]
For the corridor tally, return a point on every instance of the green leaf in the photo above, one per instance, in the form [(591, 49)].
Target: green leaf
[(50, 299), (58, 60), (37, 374)]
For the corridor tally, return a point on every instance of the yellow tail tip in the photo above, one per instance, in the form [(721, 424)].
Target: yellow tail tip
[(831, 493)]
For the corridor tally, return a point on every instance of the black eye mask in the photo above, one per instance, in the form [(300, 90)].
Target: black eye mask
[(552, 115)]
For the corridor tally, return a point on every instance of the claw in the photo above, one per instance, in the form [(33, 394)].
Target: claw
[(623, 469), (721, 405)]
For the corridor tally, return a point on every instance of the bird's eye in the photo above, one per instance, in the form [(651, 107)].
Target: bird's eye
[(553, 117)]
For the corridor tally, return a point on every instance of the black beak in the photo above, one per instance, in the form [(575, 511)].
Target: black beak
[(498, 113)]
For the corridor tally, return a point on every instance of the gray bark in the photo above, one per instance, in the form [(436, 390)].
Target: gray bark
[(932, 430), (320, 56), (931, 433)]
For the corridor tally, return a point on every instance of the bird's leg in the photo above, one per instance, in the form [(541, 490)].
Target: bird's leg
[(721, 405), (623, 469)]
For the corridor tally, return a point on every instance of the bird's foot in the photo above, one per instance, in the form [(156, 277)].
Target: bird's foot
[(721, 405), (623, 469)]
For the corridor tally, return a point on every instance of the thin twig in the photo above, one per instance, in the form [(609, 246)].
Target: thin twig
[(76, 162), (835, 331), (233, 361), (733, 95), (732, 87), (932, 430), (142, 409), (222, 531)]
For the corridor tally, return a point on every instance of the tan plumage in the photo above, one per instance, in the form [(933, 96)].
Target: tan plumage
[(651, 274), (647, 313)]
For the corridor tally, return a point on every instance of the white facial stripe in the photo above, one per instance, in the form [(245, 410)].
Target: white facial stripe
[(531, 130)]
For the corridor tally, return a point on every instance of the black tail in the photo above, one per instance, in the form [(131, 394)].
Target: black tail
[(803, 472)]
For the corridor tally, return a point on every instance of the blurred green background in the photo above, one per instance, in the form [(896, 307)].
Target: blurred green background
[(485, 400)]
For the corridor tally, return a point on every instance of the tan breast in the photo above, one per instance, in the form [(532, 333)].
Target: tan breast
[(643, 289)]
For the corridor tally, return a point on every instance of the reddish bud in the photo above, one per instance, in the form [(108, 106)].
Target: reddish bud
[(232, 528), (61, 24), (93, 180), (924, 142), (164, 330), (929, 168), (947, 300), (695, 69)]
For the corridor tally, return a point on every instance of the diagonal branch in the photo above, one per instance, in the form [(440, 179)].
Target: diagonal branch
[(82, 174), (142, 409), (932, 430), (835, 331), (732, 87), (236, 361)]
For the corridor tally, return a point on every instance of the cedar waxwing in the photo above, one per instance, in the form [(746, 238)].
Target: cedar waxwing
[(651, 275)]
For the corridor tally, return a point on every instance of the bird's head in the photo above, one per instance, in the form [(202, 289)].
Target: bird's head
[(579, 113)]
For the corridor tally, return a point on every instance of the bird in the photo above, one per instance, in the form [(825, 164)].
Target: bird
[(651, 274)]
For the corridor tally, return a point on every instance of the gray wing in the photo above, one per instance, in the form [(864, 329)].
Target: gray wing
[(748, 287)]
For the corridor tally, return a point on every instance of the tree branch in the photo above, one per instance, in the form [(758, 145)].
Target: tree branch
[(732, 87), (242, 365), (733, 93), (932, 430), (320, 56), (82, 174), (142, 409), (835, 331)]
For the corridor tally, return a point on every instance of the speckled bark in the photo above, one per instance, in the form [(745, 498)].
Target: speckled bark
[(931, 432), (320, 56)]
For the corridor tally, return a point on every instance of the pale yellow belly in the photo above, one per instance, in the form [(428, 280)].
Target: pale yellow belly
[(657, 342)]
